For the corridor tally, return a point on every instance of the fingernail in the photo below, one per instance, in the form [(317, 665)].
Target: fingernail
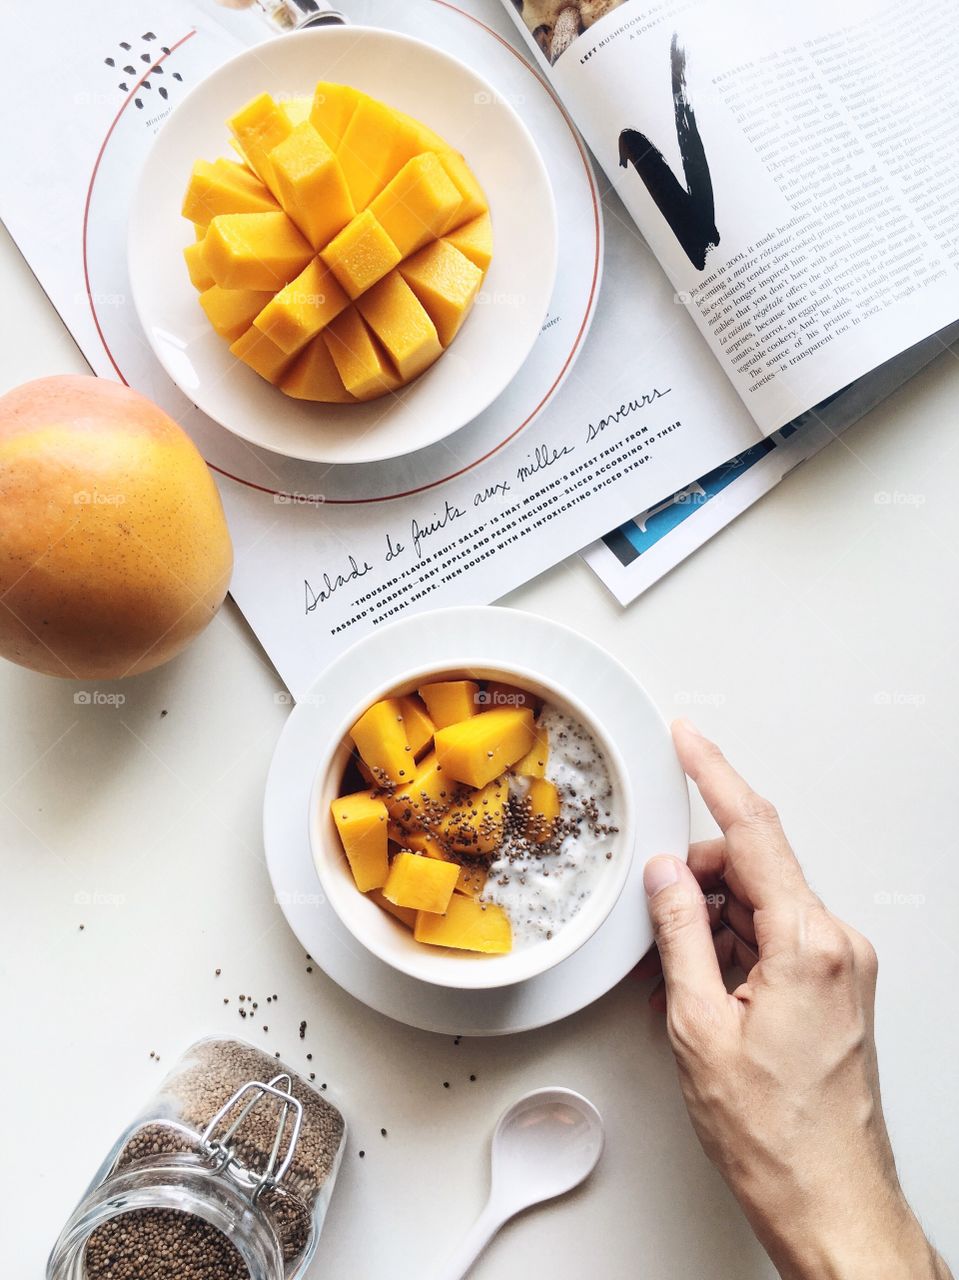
[(687, 726), (659, 873)]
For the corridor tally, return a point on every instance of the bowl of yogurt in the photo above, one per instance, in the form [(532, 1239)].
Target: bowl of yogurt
[(554, 877)]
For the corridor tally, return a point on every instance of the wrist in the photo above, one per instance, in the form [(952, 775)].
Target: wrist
[(884, 1243)]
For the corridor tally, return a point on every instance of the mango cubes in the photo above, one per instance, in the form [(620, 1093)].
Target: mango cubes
[(332, 110), (257, 128), (407, 334), (544, 809), (416, 719), (340, 200), (361, 254), (533, 764), (302, 308), (364, 367), (376, 143), (361, 821), (466, 925), (224, 187), (418, 204), (451, 700), (477, 750), (472, 874), (310, 184), (446, 283), (199, 272), (424, 884), (474, 824), (231, 311), (254, 250), (261, 354), (314, 376), (425, 797), (380, 738), (405, 915), (474, 240)]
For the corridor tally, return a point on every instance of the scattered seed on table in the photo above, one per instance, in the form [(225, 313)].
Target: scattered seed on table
[(473, 1078), (446, 1084), (217, 972), (309, 1057), (382, 1133), (312, 1075), (362, 1154), (303, 1030)]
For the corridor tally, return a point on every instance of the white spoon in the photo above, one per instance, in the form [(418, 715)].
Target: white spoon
[(544, 1145)]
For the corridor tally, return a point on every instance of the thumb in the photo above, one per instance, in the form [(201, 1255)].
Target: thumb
[(683, 936)]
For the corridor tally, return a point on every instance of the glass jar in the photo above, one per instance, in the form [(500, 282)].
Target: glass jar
[(228, 1173)]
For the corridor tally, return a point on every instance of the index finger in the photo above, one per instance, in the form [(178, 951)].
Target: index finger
[(760, 866)]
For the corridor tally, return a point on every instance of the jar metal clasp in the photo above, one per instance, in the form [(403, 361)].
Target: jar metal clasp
[(219, 1145)]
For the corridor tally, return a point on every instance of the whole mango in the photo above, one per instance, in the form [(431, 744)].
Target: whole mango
[(114, 550)]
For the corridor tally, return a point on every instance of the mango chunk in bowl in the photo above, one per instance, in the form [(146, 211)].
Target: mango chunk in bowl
[(455, 810)]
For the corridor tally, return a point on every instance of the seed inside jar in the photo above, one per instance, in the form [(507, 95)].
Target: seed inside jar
[(161, 1244)]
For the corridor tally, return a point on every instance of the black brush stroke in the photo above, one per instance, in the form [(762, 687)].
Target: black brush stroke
[(690, 210)]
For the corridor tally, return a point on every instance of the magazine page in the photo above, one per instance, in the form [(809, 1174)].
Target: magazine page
[(631, 558), (602, 421), (795, 169)]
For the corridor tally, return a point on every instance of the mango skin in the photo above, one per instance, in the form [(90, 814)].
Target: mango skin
[(114, 550)]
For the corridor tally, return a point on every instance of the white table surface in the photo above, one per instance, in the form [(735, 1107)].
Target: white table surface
[(815, 639)]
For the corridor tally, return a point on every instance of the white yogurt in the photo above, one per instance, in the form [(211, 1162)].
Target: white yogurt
[(542, 887)]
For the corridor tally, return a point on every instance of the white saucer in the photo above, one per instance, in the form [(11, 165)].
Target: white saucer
[(492, 636), (469, 113)]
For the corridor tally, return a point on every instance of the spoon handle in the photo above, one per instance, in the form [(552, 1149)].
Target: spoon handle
[(459, 1263)]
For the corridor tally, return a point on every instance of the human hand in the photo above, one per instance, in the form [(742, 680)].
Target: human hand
[(779, 1076)]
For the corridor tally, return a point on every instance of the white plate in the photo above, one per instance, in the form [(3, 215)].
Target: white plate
[(494, 637), (498, 334)]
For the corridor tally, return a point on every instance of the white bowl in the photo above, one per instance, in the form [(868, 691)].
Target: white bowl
[(391, 941), (496, 337)]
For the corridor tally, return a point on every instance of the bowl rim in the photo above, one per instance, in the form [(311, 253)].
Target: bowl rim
[(137, 249), (468, 971)]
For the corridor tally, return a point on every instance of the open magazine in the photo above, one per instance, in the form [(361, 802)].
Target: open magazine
[(795, 170)]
